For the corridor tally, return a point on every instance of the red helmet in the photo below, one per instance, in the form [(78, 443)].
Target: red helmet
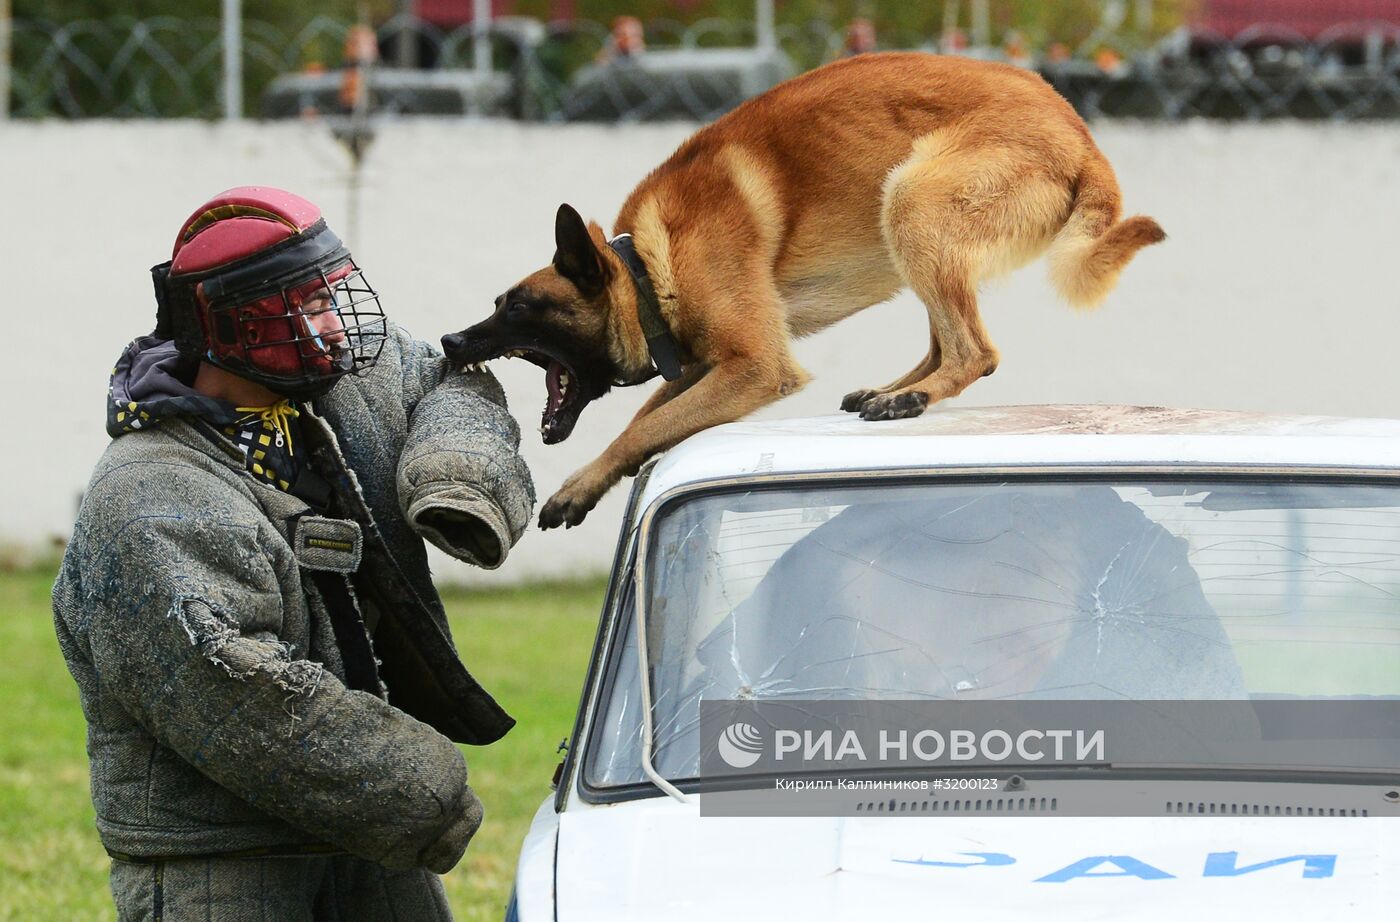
[(259, 285)]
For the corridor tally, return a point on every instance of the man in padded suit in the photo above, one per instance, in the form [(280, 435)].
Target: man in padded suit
[(271, 689)]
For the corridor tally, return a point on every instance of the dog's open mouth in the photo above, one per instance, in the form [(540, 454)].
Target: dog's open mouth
[(565, 396)]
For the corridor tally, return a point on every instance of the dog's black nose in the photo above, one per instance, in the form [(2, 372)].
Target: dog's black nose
[(452, 343)]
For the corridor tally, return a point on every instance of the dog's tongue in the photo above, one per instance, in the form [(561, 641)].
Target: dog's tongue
[(556, 389)]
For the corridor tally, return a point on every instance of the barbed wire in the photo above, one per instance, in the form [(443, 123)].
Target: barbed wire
[(572, 71)]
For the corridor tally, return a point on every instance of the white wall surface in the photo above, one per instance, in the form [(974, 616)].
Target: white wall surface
[(1276, 291)]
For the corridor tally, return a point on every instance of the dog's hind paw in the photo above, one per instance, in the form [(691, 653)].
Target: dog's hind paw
[(853, 401), (894, 406)]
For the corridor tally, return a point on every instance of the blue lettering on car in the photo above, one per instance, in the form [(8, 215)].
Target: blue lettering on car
[(988, 860), (1217, 864), (1128, 866), (1226, 864)]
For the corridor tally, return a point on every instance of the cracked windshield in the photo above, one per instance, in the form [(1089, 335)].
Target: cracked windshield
[(1060, 591)]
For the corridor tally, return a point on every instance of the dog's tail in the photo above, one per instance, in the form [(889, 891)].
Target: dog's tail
[(1092, 248)]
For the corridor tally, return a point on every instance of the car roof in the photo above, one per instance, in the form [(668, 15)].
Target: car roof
[(1028, 436)]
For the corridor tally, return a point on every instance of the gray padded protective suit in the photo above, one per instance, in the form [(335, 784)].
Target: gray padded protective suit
[(192, 610)]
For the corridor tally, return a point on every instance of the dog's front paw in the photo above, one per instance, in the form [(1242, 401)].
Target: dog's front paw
[(574, 500), (895, 406), (565, 509), (853, 401)]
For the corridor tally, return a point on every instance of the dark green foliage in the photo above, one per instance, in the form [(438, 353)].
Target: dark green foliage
[(81, 58), (77, 58)]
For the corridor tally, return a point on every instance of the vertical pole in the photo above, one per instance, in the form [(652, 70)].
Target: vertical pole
[(6, 30), (950, 25), (1142, 16), (1375, 50), (361, 53), (233, 59), (481, 50), (406, 42), (481, 36), (981, 24), (763, 25)]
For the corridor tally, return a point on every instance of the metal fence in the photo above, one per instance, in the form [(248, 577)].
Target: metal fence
[(567, 71)]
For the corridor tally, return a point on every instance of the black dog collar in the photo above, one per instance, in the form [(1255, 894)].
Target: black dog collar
[(665, 353)]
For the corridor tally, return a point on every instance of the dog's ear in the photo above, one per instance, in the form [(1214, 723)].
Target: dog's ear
[(576, 256)]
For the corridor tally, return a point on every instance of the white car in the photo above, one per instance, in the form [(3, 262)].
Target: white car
[(1074, 552)]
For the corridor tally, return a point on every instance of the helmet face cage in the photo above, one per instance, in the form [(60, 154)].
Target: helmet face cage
[(302, 335)]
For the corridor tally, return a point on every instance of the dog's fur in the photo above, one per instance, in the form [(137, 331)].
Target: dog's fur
[(825, 195)]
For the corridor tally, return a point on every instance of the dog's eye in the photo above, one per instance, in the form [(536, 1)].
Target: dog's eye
[(517, 309)]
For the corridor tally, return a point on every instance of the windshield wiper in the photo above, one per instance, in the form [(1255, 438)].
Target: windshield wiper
[(644, 676)]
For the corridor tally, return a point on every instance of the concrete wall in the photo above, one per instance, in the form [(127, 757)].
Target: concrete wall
[(1277, 290)]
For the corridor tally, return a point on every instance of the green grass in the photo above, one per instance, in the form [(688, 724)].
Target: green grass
[(528, 646)]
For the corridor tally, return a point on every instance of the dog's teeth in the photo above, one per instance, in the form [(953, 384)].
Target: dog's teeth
[(563, 379)]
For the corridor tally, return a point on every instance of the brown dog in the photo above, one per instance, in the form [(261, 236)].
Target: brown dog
[(823, 196)]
